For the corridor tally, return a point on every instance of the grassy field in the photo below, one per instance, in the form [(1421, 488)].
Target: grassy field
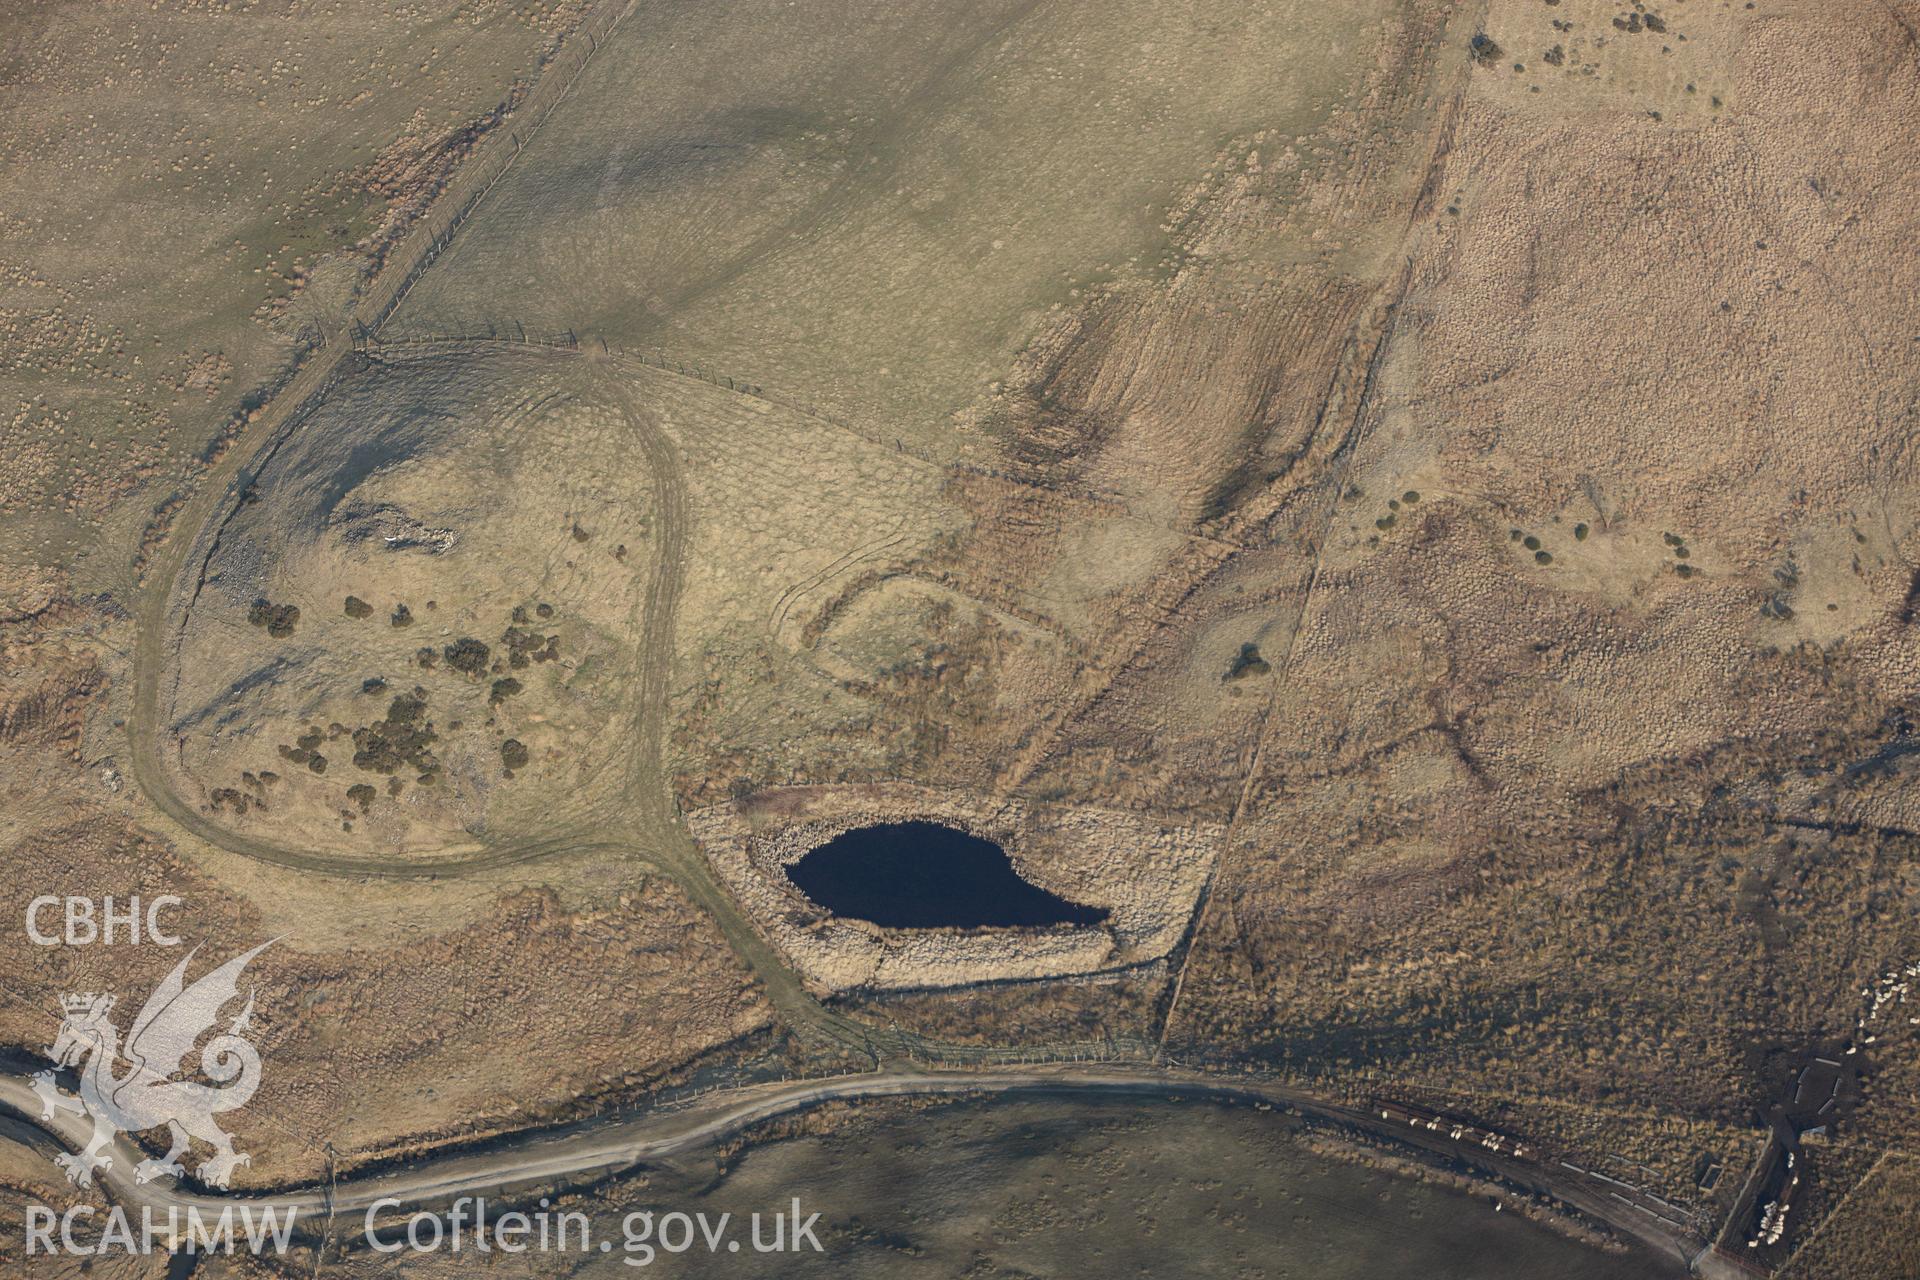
[(876, 211), (1874, 1234), (1038, 1188), (1462, 456), (189, 188)]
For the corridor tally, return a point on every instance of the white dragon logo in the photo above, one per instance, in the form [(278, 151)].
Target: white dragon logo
[(147, 1096)]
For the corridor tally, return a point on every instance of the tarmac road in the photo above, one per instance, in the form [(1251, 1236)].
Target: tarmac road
[(579, 1155), (585, 1153)]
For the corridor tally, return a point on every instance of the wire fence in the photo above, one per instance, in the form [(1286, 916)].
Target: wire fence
[(422, 245), (517, 334), (932, 1053), (893, 1045), (570, 341)]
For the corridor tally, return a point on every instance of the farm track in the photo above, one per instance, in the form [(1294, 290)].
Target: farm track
[(333, 357), (654, 834), (650, 831), (580, 1155)]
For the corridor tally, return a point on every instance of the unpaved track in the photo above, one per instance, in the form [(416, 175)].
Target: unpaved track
[(652, 832), (580, 1155), (334, 357), (149, 736), (648, 830), (654, 818)]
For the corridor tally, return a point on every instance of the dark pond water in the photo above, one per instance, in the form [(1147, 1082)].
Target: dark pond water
[(921, 875)]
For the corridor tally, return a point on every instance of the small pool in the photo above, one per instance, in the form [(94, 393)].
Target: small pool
[(922, 875)]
